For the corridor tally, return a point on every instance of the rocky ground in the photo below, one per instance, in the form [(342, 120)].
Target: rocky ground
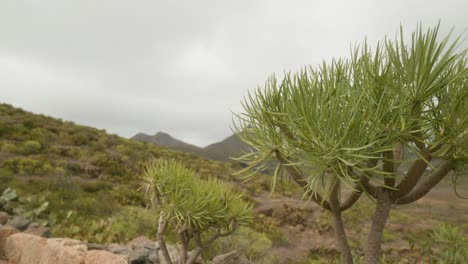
[(25, 242)]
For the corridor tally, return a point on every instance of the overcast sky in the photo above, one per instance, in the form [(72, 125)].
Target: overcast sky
[(180, 66)]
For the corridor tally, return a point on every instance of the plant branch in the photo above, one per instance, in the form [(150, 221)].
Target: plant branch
[(355, 195), (389, 167), (411, 179), (431, 180), (162, 243), (338, 223)]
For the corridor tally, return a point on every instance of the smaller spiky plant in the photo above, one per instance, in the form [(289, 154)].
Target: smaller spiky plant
[(200, 211)]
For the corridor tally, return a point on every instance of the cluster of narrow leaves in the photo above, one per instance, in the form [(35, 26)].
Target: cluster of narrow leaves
[(349, 112), (186, 201)]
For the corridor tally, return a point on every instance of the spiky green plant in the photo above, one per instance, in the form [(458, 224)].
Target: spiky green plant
[(454, 244), (358, 122), (198, 210)]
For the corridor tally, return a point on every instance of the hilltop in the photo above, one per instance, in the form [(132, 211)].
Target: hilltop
[(223, 151)]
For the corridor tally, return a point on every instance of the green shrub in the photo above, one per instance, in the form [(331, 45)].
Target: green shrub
[(122, 227), (30, 166), (31, 147), (95, 186), (9, 147), (253, 244), (454, 244)]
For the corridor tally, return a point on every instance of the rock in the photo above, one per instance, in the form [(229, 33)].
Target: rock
[(233, 257), (30, 249), (94, 246), (5, 232), (24, 249), (38, 230), (118, 249), (4, 217), (142, 242), (143, 256), (103, 257), (19, 222), (64, 250)]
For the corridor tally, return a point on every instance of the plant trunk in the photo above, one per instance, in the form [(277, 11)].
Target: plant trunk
[(374, 241), (195, 254), (339, 226), (341, 238), (183, 248), (161, 241)]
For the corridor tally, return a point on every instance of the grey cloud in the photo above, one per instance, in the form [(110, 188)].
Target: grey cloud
[(180, 66)]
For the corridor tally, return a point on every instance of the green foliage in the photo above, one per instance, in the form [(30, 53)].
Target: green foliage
[(121, 227), (253, 244), (31, 166), (454, 244), (31, 207), (186, 201), (31, 147), (347, 113)]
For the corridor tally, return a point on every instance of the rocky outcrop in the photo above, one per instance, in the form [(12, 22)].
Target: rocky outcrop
[(5, 232), (23, 248), (101, 256), (33, 246)]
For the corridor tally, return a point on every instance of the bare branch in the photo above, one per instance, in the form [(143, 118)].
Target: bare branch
[(355, 195), (370, 189), (432, 179), (411, 179)]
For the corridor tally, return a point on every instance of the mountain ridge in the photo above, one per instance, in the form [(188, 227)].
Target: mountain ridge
[(223, 150)]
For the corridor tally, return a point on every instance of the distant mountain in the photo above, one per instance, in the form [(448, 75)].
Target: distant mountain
[(230, 147), (221, 151)]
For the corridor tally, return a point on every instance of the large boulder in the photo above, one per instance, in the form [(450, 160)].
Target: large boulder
[(233, 257), (142, 242), (64, 250), (5, 232), (30, 249), (25, 249), (144, 256), (144, 251), (103, 257)]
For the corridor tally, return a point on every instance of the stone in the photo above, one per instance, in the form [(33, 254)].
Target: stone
[(5, 232), (64, 250), (142, 242), (233, 257), (23, 248), (143, 256), (118, 249), (38, 230), (19, 222), (4, 217), (103, 257), (94, 246)]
